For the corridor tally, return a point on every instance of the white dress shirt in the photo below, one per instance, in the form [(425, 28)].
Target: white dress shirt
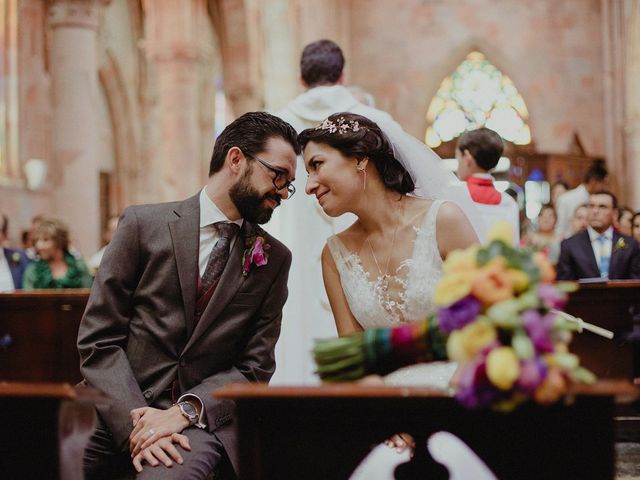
[(601, 249), (6, 280), (210, 214)]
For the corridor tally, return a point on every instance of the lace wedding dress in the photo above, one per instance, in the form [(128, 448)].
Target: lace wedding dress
[(386, 301)]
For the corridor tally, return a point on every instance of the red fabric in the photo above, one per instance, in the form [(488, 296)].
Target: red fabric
[(483, 191)]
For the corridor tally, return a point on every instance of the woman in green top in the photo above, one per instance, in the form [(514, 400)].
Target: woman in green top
[(56, 268)]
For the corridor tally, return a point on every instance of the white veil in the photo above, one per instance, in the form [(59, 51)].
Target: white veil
[(432, 179)]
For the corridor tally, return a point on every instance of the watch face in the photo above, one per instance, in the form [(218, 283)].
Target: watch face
[(188, 410)]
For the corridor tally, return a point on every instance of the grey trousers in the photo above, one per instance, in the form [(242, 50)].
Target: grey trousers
[(103, 460)]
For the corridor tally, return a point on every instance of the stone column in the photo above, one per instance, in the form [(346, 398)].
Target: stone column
[(74, 88), (174, 51), (632, 131)]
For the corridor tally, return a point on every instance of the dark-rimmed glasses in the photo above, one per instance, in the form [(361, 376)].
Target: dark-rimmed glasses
[(280, 181)]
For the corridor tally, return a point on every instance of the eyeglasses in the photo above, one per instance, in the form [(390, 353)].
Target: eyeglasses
[(280, 181)]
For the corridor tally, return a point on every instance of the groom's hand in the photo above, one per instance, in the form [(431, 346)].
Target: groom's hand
[(151, 424), (162, 450)]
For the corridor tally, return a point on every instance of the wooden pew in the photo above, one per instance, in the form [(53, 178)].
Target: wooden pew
[(38, 332), (45, 428), (610, 305), (324, 432)]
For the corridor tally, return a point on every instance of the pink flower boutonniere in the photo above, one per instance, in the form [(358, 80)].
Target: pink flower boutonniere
[(256, 252), (620, 245)]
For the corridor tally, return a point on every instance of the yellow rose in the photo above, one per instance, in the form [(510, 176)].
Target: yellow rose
[(452, 287), (461, 260), (503, 368), (501, 230), (492, 283), (463, 345), (518, 279)]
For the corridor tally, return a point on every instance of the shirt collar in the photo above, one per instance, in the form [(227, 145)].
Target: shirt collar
[(210, 213), (593, 235)]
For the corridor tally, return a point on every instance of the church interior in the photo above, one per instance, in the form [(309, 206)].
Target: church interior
[(110, 103)]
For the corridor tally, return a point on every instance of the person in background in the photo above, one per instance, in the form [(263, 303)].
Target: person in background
[(13, 263), (600, 251), (478, 152), (557, 189), (594, 180), (635, 226), (580, 219), (544, 239), (56, 266), (623, 222), (107, 235)]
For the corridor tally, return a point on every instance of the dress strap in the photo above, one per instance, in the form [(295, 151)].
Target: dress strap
[(342, 257)]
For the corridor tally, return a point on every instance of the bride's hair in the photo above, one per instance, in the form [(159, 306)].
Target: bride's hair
[(356, 136)]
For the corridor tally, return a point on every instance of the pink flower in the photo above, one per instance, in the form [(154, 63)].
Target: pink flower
[(256, 253)]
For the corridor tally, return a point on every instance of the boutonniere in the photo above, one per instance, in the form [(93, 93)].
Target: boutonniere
[(620, 245), (15, 258), (255, 252)]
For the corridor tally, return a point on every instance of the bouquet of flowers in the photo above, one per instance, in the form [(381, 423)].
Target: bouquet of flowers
[(498, 316)]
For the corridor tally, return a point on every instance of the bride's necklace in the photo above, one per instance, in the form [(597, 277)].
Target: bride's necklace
[(384, 277)]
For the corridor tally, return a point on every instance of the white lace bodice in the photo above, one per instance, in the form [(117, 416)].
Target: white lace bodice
[(371, 303)]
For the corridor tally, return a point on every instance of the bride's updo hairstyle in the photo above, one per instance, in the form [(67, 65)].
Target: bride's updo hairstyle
[(356, 136)]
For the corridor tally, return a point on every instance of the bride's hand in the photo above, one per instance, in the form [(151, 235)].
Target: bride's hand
[(372, 381), (401, 442)]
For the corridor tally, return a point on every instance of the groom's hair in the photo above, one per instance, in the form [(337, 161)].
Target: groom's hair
[(361, 138), (484, 145), (321, 63), (250, 133)]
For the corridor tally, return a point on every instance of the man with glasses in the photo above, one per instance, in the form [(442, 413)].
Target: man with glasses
[(600, 251), (188, 298)]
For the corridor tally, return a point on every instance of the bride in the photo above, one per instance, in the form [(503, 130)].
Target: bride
[(383, 269)]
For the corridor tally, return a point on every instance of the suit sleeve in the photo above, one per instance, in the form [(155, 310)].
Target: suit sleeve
[(104, 329), (564, 268), (635, 262), (257, 360)]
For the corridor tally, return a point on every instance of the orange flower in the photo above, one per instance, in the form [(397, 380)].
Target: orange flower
[(492, 283), (553, 386)]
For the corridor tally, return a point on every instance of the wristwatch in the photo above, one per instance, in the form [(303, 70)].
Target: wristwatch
[(189, 411)]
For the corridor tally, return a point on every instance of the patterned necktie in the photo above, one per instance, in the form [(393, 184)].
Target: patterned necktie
[(219, 254), (605, 259)]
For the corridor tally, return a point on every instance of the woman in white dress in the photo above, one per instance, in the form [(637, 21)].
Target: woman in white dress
[(383, 269)]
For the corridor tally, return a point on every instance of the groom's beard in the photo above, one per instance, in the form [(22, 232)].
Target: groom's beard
[(249, 202)]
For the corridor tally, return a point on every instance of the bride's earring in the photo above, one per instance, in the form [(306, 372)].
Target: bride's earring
[(363, 170)]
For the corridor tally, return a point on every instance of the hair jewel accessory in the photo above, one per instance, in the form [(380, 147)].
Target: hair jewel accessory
[(340, 125)]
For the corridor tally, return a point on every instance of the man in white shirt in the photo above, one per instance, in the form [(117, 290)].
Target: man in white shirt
[(13, 262), (478, 152), (594, 181), (600, 251)]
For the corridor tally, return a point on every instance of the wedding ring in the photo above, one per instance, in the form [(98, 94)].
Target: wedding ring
[(150, 433)]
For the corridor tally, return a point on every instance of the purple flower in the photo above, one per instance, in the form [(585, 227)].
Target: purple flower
[(551, 296), (539, 328), (254, 253), (532, 373), (459, 314), (474, 388)]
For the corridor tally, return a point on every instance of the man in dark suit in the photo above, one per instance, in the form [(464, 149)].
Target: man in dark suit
[(13, 262), (600, 250), (189, 298)]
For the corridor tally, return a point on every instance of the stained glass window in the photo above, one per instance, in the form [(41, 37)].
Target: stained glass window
[(477, 94)]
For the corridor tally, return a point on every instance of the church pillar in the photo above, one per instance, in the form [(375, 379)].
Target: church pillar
[(74, 88), (613, 48), (174, 51), (632, 133)]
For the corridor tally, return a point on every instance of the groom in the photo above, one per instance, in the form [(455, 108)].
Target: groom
[(188, 298)]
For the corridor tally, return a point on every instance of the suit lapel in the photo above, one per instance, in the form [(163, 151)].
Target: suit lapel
[(185, 235), (615, 255), (229, 283), (14, 268)]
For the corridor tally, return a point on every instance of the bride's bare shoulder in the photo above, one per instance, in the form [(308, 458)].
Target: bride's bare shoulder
[(352, 236)]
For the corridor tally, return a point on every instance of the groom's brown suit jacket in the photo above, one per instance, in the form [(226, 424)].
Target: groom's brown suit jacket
[(138, 334)]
